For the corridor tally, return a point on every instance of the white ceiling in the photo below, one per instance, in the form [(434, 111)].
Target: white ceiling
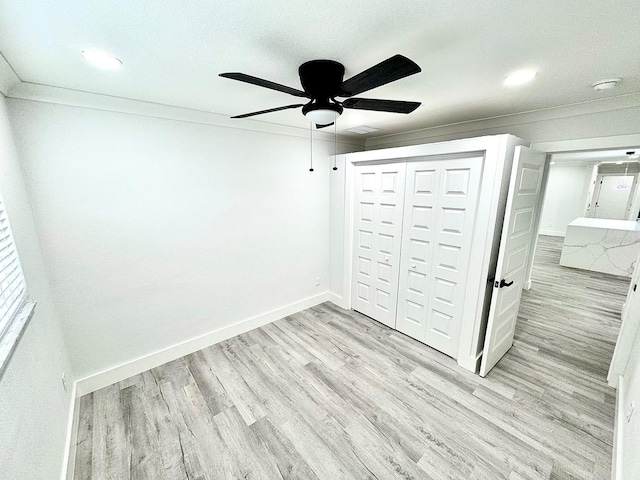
[(174, 50)]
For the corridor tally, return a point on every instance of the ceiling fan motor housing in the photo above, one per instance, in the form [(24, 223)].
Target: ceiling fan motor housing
[(321, 79)]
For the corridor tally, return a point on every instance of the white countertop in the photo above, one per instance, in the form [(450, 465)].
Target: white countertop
[(628, 225)]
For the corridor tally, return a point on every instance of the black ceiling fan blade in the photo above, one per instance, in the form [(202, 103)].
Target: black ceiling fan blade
[(394, 106), (324, 126), (245, 115), (390, 70), (242, 77)]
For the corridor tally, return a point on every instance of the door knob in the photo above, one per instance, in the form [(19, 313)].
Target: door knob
[(503, 283), (414, 266), (386, 260)]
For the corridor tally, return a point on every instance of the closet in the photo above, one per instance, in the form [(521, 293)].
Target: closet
[(413, 231), (436, 241)]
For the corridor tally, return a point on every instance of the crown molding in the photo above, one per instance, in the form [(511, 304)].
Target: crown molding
[(8, 77), (12, 87), (478, 126), (76, 98), (595, 143)]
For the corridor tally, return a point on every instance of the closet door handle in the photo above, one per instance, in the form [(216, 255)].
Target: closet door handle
[(414, 267), (503, 283)]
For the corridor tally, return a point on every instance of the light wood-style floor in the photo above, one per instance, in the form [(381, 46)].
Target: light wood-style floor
[(331, 394)]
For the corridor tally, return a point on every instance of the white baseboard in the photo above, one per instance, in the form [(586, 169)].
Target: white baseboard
[(472, 364), (552, 233), (618, 433), (116, 374), (338, 300), (69, 464)]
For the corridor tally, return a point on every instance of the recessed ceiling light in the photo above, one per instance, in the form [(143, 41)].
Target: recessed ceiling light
[(101, 59), (606, 84), (552, 163), (520, 77)]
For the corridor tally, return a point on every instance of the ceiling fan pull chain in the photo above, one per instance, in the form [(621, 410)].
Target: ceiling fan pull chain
[(311, 144), (335, 144)]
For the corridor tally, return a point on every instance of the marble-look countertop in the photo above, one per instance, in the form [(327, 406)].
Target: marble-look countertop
[(601, 245), (629, 225)]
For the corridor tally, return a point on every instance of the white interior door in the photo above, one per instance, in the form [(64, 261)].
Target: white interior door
[(379, 200), (613, 196), (439, 213), (517, 232)]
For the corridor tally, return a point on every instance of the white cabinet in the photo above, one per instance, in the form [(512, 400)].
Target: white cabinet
[(420, 236)]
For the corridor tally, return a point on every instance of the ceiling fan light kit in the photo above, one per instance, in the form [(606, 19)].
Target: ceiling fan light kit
[(323, 114), (322, 83)]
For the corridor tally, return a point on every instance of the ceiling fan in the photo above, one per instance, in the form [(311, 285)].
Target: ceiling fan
[(322, 81)]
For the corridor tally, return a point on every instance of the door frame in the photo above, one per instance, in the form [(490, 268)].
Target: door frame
[(564, 146), (498, 151)]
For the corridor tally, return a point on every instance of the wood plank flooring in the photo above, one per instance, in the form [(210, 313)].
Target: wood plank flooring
[(330, 394)]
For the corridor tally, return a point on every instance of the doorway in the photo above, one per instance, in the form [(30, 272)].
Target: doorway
[(569, 318), (588, 216)]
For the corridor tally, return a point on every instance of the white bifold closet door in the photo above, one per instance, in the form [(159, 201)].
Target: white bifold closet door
[(440, 206), (379, 196)]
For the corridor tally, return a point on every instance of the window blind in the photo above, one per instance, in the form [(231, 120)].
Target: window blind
[(12, 285)]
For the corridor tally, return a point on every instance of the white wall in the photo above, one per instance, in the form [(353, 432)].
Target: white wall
[(156, 231), (337, 201), (624, 373), (565, 198), (631, 430), (603, 117), (34, 409)]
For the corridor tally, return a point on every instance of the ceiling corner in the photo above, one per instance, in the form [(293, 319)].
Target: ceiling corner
[(8, 77)]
